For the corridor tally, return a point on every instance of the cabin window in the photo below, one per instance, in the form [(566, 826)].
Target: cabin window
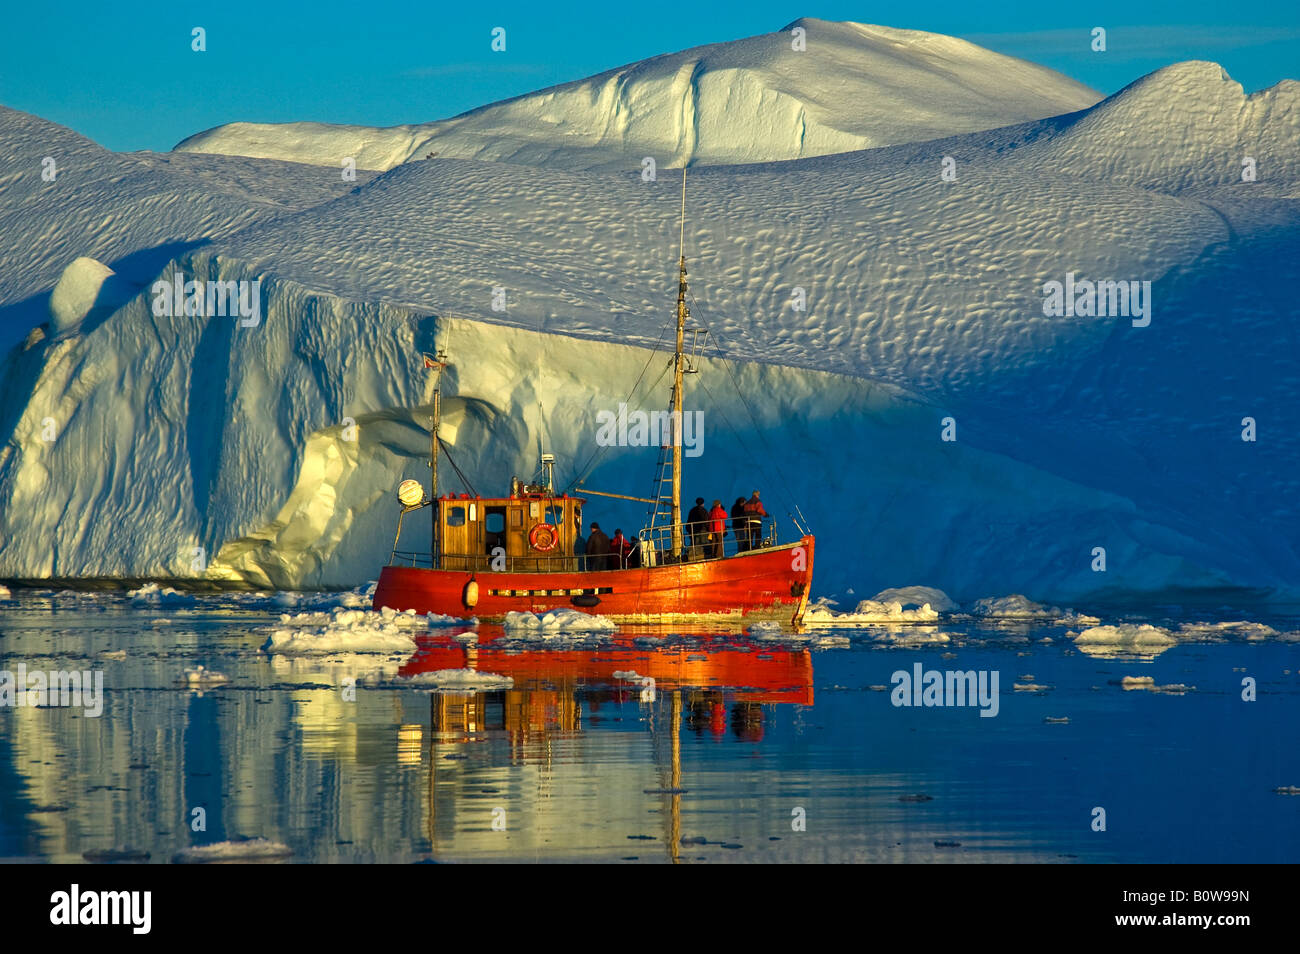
[(494, 529), (455, 516)]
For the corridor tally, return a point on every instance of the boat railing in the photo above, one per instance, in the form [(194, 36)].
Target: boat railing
[(654, 546), (699, 545)]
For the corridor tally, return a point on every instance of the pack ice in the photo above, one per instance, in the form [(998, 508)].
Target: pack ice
[(866, 305)]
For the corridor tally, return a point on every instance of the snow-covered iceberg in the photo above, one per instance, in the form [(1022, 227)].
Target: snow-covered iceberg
[(751, 100), (145, 446)]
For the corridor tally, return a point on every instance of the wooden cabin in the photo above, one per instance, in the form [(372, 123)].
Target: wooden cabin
[(536, 531)]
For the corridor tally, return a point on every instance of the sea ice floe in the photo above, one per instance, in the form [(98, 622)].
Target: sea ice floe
[(563, 620), (456, 679), (1240, 630), (151, 594), (1138, 639), (918, 596), (345, 630), (1014, 606), (831, 642), (866, 613), (254, 849), (203, 678)]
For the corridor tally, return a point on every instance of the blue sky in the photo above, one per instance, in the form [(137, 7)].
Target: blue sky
[(126, 76)]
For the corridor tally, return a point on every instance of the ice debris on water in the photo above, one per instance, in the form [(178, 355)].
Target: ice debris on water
[(867, 612), (345, 630), (151, 594), (202, 677), (456, 679), (1014, 606), (918, 596), (1126, 636), (563, 620), (252, 849)]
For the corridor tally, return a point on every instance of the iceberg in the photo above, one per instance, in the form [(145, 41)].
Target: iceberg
[(865, 308)]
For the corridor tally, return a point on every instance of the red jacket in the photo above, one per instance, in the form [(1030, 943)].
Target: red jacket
[(717, 520), (754, 508)]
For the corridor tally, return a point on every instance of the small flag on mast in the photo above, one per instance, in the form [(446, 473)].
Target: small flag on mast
[(430, 361)]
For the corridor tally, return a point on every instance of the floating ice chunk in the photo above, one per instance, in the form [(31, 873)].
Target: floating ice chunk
[(1071, 618), (345, 631), (556, 621), (254, 849), (831, 642), (1240, 629), (866, 613), (918, 596), (1137, 682), (1014, 606), (1126, 636), (922, 637), (765, 627), (4, 593), (201, 677), (459, 679), (151, 594)]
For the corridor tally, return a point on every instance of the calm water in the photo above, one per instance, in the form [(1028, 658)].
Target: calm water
[(744, 737)]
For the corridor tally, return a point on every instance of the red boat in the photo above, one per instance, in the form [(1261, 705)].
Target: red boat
[(524, 552)]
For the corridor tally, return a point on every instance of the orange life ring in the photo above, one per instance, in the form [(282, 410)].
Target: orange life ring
[(549, 538)]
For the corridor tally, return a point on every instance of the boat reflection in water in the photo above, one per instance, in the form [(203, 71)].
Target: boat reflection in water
[(708, 683)]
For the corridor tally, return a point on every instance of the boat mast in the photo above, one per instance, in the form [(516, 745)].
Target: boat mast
[(438, 364), (678, 368)]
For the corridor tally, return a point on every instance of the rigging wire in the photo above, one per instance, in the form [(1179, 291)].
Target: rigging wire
[(459, 473), (727, 362), (585, 470)]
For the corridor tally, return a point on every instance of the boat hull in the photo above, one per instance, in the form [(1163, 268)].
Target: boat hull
[(767, 584)]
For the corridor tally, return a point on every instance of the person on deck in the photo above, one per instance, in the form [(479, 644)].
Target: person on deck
[(717, 529), (697, 528), (598, 547), (739, 525), (754, 514), (621, 547)]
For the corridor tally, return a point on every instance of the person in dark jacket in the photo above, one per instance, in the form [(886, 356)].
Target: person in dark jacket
[(697, 528), (598, 549), (739, 525), (754, 514), (717, 529)]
